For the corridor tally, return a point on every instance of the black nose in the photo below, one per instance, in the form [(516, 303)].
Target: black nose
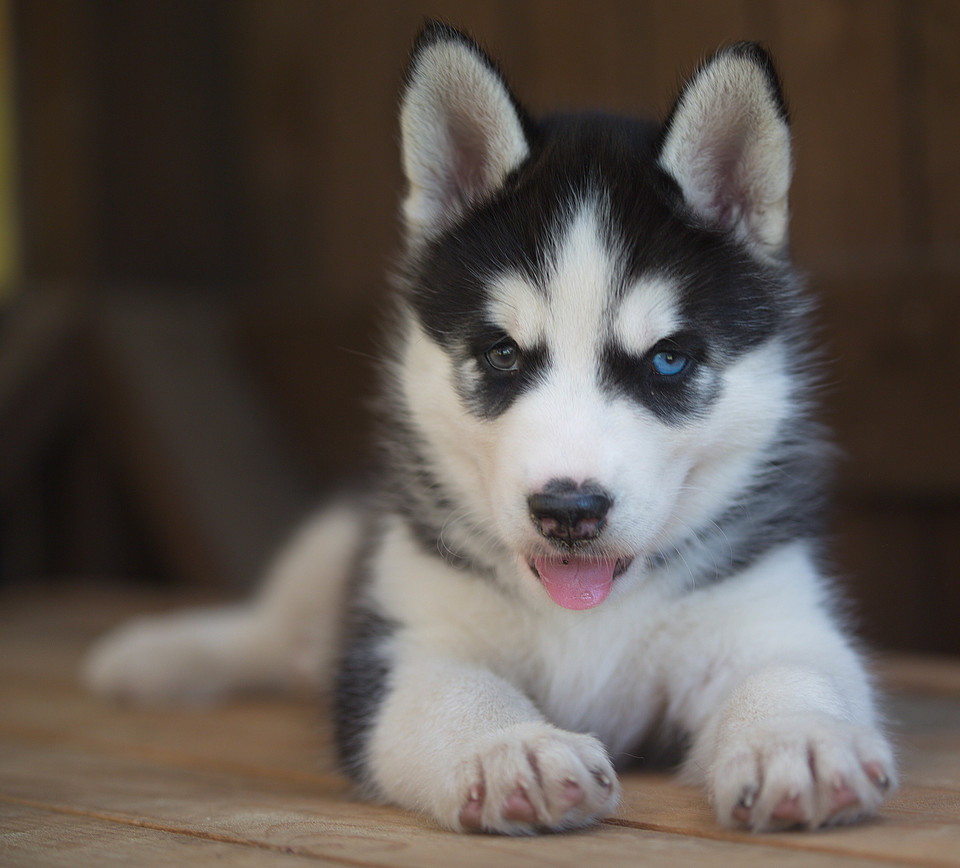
[(569, 512)]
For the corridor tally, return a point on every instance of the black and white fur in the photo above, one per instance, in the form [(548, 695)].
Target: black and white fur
[(606, 485)]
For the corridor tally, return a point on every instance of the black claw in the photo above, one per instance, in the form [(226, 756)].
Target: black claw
[(748, 797)]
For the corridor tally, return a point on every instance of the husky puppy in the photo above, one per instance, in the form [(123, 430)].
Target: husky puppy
[(605, 484)]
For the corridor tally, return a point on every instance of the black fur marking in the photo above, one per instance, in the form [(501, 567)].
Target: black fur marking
[(674, 399), (361, 686), (736, 301), (491, 391)]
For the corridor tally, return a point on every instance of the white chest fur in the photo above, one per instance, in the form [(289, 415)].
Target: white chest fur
[(599, 671)]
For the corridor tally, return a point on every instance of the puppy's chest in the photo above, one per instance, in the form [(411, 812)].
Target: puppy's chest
[(600, 678)]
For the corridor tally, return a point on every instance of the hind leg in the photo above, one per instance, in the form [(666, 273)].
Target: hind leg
[(282, 639)]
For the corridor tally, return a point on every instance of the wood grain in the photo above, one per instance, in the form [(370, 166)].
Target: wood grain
[(253, 782)]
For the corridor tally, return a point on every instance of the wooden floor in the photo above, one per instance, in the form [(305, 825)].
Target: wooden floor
[(85, 783)]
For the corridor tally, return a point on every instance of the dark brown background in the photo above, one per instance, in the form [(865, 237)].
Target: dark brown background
[(208, 193)]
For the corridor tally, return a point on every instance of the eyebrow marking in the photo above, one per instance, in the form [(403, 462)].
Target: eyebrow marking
[(648, 313), (519, 308)]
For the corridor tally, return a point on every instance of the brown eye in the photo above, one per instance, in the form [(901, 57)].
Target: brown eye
[(503, 356)]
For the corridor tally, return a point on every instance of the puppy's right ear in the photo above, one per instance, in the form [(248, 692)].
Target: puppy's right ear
[(462, 131)]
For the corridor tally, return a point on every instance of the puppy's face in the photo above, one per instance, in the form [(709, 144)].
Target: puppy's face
[(590, 361), (593, 413)]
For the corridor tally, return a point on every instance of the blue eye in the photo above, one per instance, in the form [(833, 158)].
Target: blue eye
[(669, 364)]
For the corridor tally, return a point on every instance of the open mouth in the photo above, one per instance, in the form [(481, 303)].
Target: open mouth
[(578, 582)]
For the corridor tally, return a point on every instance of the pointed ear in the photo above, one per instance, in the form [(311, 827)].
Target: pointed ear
[(727, 144), (462, 131)]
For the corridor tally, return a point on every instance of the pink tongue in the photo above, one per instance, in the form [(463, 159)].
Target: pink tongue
[(577, 584)]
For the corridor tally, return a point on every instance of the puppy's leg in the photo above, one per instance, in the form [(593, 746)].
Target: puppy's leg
[(467, 748), (787, 750), (785, 731), (282, 639)]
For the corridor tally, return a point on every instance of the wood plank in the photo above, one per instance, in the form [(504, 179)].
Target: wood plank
[(38, 379), (316, 93), (301, 818), (918, 823), (922, 673), (892, 328), (60, 115), (37, 837), (847, 201), (935, 127), (168, 182), (258, 774), (233, 737), (173, 795), (224, 740), (46, 626)]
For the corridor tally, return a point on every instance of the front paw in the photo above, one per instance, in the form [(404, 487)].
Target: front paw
[(536, 778), (807, 771)]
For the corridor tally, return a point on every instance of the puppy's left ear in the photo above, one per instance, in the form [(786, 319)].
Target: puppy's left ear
[(727, 144)]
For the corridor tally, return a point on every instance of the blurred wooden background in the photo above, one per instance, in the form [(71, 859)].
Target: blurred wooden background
[(207, 195)]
